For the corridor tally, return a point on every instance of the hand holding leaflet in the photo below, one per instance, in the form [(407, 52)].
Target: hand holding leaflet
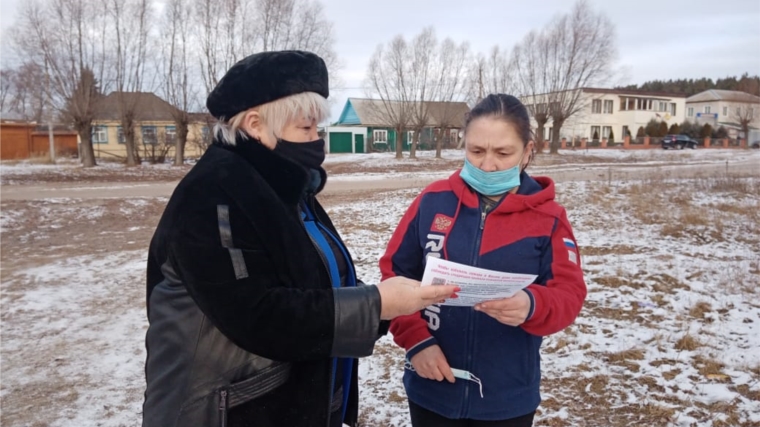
[(477, 284)]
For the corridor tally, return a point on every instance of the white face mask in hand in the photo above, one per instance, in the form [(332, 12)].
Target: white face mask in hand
[(458, 373)]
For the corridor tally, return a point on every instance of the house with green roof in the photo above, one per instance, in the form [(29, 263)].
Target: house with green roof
[(361, 127)]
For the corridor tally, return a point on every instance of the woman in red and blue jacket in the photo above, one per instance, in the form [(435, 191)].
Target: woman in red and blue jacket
[(492, 215)]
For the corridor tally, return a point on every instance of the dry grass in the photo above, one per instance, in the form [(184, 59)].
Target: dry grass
[(651, 383), (671, 374), (728, 184), (699, 309), (653, 414), (626, 359), (666, 284), (612, 250), (707, 366), (687, 343), (625, 355), (745, 391), (560, 344)]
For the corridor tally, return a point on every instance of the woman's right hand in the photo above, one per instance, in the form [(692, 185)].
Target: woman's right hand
[(430, 363), (400, 296)]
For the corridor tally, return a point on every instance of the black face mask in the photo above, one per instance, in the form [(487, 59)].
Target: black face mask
[(310, 155)]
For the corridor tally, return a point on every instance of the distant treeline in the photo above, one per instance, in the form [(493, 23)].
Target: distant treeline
[(745, 83)]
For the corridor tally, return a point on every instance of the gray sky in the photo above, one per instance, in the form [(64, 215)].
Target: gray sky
[(656, 39)]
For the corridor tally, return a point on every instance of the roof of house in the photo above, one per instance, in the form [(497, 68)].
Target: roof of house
[(723, 95), (149, 107), (619, 92), (368, 112), (634, 92)]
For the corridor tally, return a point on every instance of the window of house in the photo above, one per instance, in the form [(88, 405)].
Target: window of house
[(707, 109), (662, 106), (608, 106), (725, 111), (149, 135), (738, 111), (625, 131), (623, 104), (171, 134), (606, 130), (672, 108), (380, 135), (751, 112), (99, 135), (690, 112), (120, 135), (409, 136), (595, 132), (596, 106)]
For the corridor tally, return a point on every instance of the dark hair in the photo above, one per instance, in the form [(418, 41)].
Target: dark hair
[(504, 107)]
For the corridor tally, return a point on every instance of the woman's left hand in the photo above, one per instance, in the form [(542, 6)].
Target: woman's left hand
[(510, 311)]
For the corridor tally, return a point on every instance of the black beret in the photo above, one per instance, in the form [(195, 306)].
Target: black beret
[(264, 77)]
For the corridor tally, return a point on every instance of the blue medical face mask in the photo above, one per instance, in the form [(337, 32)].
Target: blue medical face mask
[(491, 183), (458, 373)]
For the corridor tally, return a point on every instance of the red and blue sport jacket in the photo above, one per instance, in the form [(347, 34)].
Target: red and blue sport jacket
[(527, 232)]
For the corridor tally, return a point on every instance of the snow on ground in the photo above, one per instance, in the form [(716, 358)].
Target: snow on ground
[(389, 159), (668, 335), (612, 154), (373, 165)]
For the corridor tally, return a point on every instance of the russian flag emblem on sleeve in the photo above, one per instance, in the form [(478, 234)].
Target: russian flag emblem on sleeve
[(571, 254)]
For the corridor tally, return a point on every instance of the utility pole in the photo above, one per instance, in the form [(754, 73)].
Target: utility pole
[(51, 139)]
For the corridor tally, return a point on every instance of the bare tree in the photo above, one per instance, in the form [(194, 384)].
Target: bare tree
[(65, 38), (7, 88), (489, 74), (423, 84), (130, 31), (388, 79), (745, 116), (227, 36), (581, 50), (530, 62), (452, 84), (177, 85), (301, 25), (24, 92)]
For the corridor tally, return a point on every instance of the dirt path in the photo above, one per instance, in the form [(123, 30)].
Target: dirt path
[(336, 186)]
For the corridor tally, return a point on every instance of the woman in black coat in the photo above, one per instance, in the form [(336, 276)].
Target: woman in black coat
[(256, 314)]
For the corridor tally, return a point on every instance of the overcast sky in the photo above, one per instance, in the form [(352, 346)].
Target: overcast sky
[(656, 39)]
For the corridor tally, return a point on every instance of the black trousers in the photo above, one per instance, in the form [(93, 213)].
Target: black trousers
[(421, 417)]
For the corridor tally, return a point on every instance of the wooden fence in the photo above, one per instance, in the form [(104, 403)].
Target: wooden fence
[(26, 140)]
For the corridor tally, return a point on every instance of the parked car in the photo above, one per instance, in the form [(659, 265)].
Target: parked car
[(678, 141), (755, 144)]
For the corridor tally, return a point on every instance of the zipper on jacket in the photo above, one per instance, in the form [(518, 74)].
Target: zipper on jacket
[(479, 237), (223, 408), (471, 315)]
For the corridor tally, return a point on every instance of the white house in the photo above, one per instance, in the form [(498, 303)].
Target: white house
[(618, 111), (723, 108)]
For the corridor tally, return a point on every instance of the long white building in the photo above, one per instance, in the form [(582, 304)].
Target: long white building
[(618, 111)]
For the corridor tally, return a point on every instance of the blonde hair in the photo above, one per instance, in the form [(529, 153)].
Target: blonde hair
[(275, 115)]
